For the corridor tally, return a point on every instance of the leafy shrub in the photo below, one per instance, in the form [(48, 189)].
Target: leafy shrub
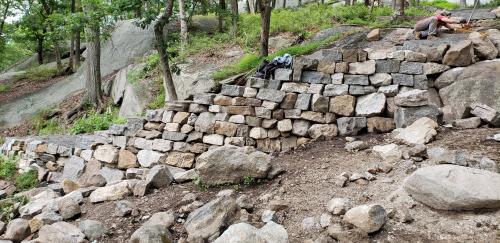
[(40, 73), (94, 121), (7, 167), (4, 88), (443, 4), (27, 180)]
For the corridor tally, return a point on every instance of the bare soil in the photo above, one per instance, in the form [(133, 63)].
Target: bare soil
[(308, 185)]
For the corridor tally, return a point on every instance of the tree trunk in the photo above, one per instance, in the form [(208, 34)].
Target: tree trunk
[(300, 3), (93, 91), (57, 53), (400, 9), (463, 3), (367, 3), (284, 3), (77, 35), (251, 6), (182, 17), (72, 41), (4, 16), (347, 2), (234, 17), (265, 22), (39, 49), (161, 45), (222, 12)]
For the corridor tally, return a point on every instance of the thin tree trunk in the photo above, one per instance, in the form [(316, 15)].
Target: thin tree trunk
[(347, 2), (222, 11), (463, 3), (4, 16), (265, 22), (77, 35), (182, 17), (57, 53), (284, 3), (39, 49), (93, 92), (251, 6), (234, 17), (72, 42), (161, 45), (400, 9)]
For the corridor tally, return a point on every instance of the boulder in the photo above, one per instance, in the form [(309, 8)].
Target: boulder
[(369, 218), (338, 206), (405, 116), (73, 168), (389, 152), (343, 105), (109, 193), (483, 47), (60, 232), (373, 35), (494, 36), (370, 105), (244, 232), (111, 175), (452, 187), (467, 123), (155, 229), (17, 230), (231, 164), (106, 153), (350, 126), (421, 131), (434, 68), (475, 83), (92, 229), (148, 158), (365, 68), (324, 131), (37, 203), (459, 55), (411, 98), (380, 79), (207, 221), (486, 113), (380, 124)]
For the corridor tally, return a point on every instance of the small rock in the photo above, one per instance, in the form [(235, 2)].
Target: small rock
[(92, 229), (369, 218), (338, 206)]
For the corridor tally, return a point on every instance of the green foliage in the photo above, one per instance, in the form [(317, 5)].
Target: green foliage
[(43, 126), (40, 73), (4, 88), (7, 167), (27, 180), (443, 4), (159, 101), (248, 181), (94, 121), (11, 53), (2, 140), (200, 184)]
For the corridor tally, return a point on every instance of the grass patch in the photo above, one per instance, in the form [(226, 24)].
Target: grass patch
[(5, 88), (7, 168), (44, 126), (252, 60), (40, 73), (27, 180), (94, 121), (442, 4)]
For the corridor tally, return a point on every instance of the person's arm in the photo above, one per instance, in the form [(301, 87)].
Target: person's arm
[(447, 21)]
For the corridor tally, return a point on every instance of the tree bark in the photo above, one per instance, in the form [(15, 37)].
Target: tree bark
[(222, 11), (57, 53), (284, 3), (161, 45), (182, 17), (72, 41), (234, 17), (347, 2), (265, 23), (93, 92), (4, 16), (251, 6), (400, 9), (463, 3), (77, 35), (39, 49)]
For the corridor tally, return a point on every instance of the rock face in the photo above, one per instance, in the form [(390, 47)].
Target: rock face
[(475, 83), (421, 131), (369, 218), (486, 113), (370, 105), (243, 232), (231, 164), (483, 47), (206, 222), (452, 187)]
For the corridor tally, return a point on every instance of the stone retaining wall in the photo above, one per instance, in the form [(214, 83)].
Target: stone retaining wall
[(329, 93)]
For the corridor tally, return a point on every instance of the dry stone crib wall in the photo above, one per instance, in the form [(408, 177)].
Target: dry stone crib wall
[(329, 93)]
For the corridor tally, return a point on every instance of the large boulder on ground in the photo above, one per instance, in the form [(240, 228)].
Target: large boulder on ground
[(370, 105), (60, 232), (369, 218), (246, 233), (475, 83), (483, 47), (109, 193), (231, 164), (206, 222), (460, 54), (452, 187), (421, 131), (405, 116), (155, 229), (17, 230)]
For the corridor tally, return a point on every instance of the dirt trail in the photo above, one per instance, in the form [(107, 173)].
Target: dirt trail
[(307, 186)]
